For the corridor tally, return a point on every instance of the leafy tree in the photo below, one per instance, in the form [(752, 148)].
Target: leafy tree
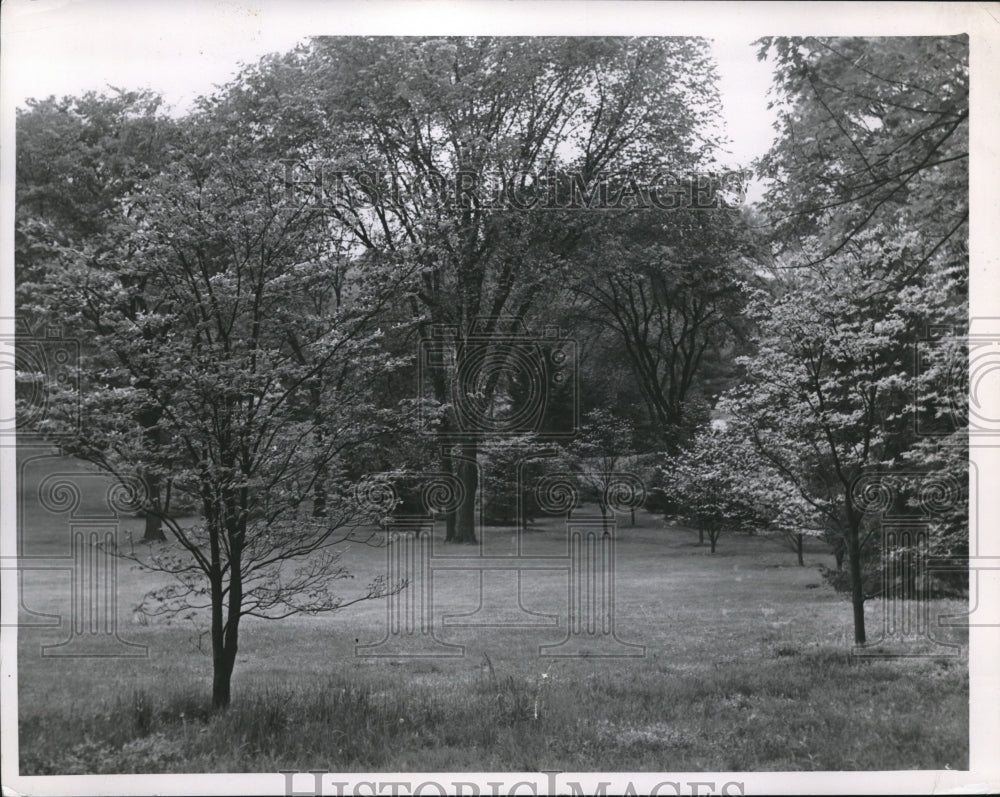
[(672, 288), (77, 159), (596, 455), (872, 131), (511, 468), (720, 481), (872, 134), (704, 485), (782, 512), (776, 506), (232, 350), (827, 394), (408, 120)]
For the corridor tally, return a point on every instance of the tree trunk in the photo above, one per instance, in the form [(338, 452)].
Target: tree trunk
[(222, 677), (701, 536), (448, 465), (228, 526), (632, 524), (222, 667), (153, 531), (467, 472), (223, 663), (798, 549), (713, 537), (838, 554)]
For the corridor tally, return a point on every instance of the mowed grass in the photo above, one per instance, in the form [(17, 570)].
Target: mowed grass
[(745, 668)]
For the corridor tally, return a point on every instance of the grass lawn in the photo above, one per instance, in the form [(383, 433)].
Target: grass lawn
[(746, 668)]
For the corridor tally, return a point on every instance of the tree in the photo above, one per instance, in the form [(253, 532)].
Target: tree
[(871, 131), (705, 484), (776, 506), (826, 398), (511, 468), (672, 289), (232, 350), (720, 481), (604, 442), (413, 123), (872, 134), (77, 158)]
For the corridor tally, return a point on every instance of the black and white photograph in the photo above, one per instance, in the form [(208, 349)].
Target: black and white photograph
[(499, 398)]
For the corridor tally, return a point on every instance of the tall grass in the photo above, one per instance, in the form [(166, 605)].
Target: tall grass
[(747, 668), (794, 710)]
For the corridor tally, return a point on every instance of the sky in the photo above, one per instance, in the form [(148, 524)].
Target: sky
[(183, 48)]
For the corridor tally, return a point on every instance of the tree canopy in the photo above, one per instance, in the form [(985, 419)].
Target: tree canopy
[(388, 256)]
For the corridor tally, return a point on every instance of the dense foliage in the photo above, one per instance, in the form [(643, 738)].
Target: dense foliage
[(331, 270)]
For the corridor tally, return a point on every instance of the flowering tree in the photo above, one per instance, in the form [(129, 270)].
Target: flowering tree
[(722, 482), (605, 441), (776, 506), (873, 133), (705, 483), (827, 398), (77, 158), (212, 307)]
